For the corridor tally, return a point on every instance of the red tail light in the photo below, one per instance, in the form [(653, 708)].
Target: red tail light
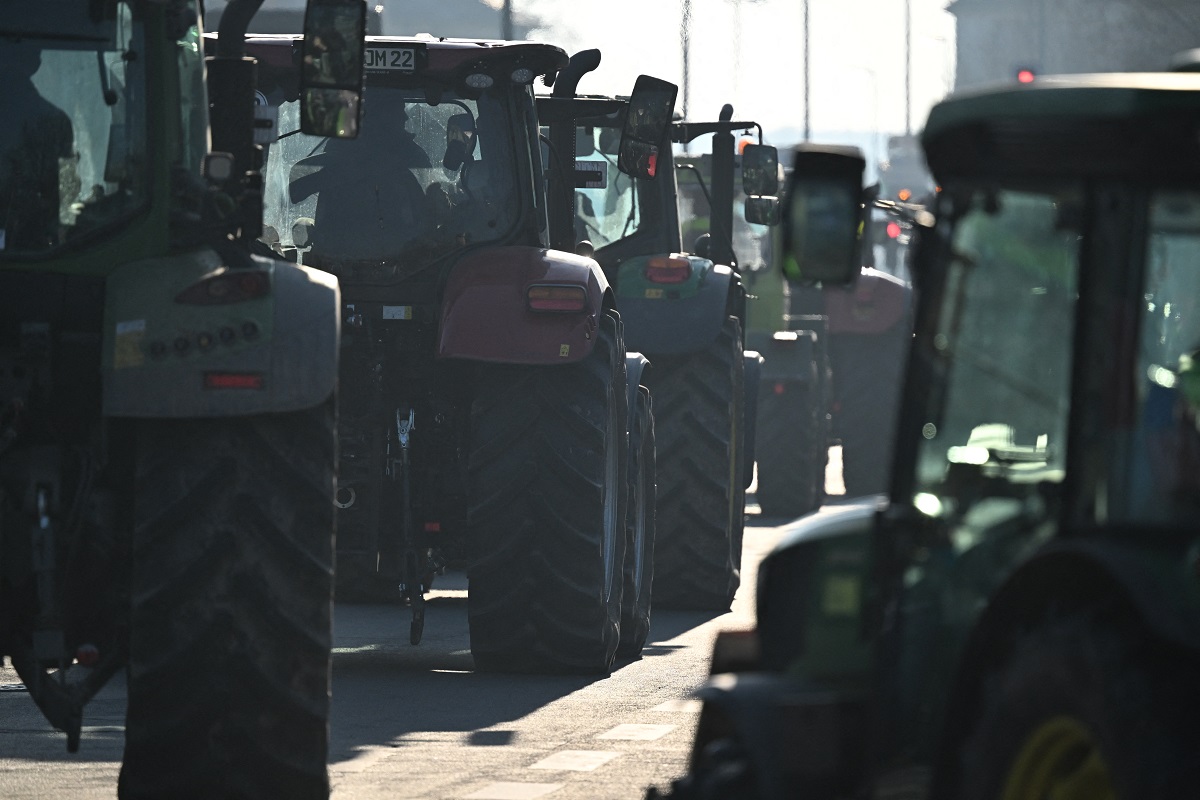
[(558, 299), (233, 380), (893, 230), (668, 269), (226, 286)]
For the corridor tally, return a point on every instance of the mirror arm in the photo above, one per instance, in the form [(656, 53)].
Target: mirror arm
[(235, 21)]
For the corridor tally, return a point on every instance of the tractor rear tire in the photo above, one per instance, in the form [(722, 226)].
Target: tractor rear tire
[(546, 515), (1085, 710), (867, 371), (639, 554), (231, 601), (701, 495), (792, 449)]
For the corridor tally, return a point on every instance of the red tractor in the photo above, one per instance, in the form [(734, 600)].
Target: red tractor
[(487, 399)]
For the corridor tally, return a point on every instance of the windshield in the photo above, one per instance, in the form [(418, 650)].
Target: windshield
[(1164, 478), (419, 182), (1003, 342), (608, 205), (72, 128)]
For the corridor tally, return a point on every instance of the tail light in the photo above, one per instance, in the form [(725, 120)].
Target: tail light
[(556, 299), (893, 230), (233, 380), (668, 269), (226, 286)]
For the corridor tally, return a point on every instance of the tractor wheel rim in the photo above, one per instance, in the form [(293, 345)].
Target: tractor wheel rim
[(1060, 760)]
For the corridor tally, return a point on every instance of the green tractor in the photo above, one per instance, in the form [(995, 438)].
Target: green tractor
[(167, 400), (831, 376), (1018, 617), (686, 314)]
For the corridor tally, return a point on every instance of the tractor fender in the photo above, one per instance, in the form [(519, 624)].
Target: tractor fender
[(166, 358), (1136, 587), (635, 365), (485, 315), (793, 735), (753, 362), (671, 326), (874, 303), (789, 356)]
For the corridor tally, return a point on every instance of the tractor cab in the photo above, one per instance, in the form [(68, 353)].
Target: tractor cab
[(443, 164)]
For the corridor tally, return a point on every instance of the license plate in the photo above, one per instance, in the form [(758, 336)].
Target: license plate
[(390, 59)]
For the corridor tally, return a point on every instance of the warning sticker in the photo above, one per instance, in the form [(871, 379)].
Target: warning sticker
[(127, 347), (397, 312), (564, 350), (654, 294)]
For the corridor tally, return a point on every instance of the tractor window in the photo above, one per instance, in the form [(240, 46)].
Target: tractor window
[(73, 156), (1164, 477), (995, 430), (419, 182), (610, 209)]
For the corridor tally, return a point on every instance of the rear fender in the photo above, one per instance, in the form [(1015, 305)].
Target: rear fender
[(676, 319), (795, 736), (790, 356), (161, 358), (874, 303), (485, 315)]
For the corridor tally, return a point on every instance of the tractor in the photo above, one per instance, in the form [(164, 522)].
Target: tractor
[(686, 313), (488, 398), (167, 398), (1016, 617)]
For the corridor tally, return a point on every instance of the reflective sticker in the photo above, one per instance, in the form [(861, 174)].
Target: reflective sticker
[(654, 294), (840, 597), (564, 350), (127, 346), (397, 312)]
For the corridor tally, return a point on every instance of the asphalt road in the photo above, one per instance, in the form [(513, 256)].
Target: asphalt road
[(418, 722)]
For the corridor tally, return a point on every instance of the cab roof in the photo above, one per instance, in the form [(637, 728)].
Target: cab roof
[(444, 58), (1133, 125)]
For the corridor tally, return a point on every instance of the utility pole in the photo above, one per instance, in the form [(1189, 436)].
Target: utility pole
[(685, 36), (506, 21), (807, 126), (908, 67)]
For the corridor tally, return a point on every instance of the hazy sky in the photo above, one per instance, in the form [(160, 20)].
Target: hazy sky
[(749, 53)]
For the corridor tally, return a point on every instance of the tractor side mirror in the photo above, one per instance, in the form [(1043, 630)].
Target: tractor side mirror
[(646, 119), (331, 74), (760, 170), (823, 215)]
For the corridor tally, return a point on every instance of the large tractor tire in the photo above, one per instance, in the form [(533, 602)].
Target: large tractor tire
[(792, 448), (1081, 711), (639, 554), (701, 495), (547, 512), (231, 601)]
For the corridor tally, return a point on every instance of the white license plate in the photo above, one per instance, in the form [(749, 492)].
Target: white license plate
[(390, 59)]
